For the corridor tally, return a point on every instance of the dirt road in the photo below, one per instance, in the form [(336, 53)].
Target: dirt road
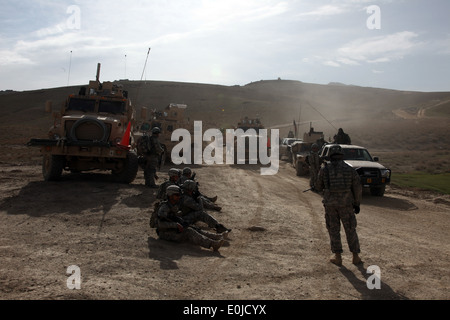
[(102, 227)]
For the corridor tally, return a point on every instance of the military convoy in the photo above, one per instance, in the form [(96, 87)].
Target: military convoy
[(94, 130), (299, 150), (374, 175), (245, 124), (173, 117)]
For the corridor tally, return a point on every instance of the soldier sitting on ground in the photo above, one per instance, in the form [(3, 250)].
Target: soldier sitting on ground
[(172, 227), (207, 201), (174, 175), (193, 210)]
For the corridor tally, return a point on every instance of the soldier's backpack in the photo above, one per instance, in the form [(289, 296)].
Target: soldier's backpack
[(154, 216), (144, 144)]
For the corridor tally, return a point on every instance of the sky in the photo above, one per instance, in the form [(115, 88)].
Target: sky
[(393, 44)]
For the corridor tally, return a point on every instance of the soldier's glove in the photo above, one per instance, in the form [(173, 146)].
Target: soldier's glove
[(357, 209)]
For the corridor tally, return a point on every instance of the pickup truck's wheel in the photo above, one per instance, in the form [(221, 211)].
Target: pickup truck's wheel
[(378, 191), (299, 169)]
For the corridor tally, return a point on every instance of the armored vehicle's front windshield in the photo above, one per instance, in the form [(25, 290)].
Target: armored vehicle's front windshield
[(114, 107), (84, 105)]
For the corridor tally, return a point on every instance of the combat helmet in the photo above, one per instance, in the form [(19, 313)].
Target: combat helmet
[(156, 130), (173, 189), (335, 150), (187, 171), (174, 172), (189, 185)]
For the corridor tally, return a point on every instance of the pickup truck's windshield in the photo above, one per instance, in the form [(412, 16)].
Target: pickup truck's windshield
[(356, 154)]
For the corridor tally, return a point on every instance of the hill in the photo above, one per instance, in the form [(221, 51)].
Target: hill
[(380, 119)]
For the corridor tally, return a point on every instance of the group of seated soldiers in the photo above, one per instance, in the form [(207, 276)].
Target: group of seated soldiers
[(182, 206)]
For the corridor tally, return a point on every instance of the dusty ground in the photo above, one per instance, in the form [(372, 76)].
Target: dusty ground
[(102, 227)]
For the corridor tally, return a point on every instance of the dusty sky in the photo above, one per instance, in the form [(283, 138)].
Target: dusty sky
[(395, 44)]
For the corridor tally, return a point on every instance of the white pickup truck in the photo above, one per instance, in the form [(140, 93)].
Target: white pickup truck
[(373, 174)]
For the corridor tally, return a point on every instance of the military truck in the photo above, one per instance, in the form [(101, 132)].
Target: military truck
[(172, 117), (300, 150), (245, 124), (94, 130)]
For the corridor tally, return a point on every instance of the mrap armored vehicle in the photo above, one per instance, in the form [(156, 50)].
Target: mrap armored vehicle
[(171, 118), (93, 131), (251, 139)]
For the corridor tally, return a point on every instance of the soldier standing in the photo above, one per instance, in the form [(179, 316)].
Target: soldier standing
[(314, 165), (152, 151), (342, 194), (172, 227), (342, 138)]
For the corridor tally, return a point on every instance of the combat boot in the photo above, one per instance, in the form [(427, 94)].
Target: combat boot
[(216, 244), (336, 259), (356, 259), (220, 228)]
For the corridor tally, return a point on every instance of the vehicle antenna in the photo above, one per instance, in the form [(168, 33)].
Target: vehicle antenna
[(142, 76)]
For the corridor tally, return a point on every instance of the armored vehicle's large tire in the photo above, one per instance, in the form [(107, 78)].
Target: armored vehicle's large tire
[(129, 170), (52, 167), (378, 191)]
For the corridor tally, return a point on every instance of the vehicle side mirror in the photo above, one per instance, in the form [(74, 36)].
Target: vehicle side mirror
[(376, 159)]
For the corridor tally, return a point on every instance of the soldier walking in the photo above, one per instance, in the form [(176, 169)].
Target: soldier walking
[(314, 165), (342, 194)]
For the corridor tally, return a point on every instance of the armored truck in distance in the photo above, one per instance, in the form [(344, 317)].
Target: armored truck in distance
[(93, 131)]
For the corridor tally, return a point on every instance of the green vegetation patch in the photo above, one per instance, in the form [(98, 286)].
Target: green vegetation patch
[(434, 182)]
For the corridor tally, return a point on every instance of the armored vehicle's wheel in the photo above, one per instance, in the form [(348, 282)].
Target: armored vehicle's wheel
[(128, 172), (52, 167), (378, 191)]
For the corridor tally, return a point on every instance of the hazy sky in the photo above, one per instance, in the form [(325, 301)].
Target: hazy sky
[(393, 44)]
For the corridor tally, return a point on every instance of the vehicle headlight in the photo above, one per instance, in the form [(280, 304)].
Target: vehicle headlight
[(385, 173)]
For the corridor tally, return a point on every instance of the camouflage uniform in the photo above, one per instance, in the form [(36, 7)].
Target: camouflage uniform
[(342, 138), (208, 202), (192, 212), (314, 167), (341, 194), (152, 151), (168, 229), (173, 180)]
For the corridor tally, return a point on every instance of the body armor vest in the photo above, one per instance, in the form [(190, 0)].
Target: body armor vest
[(338, 177)]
